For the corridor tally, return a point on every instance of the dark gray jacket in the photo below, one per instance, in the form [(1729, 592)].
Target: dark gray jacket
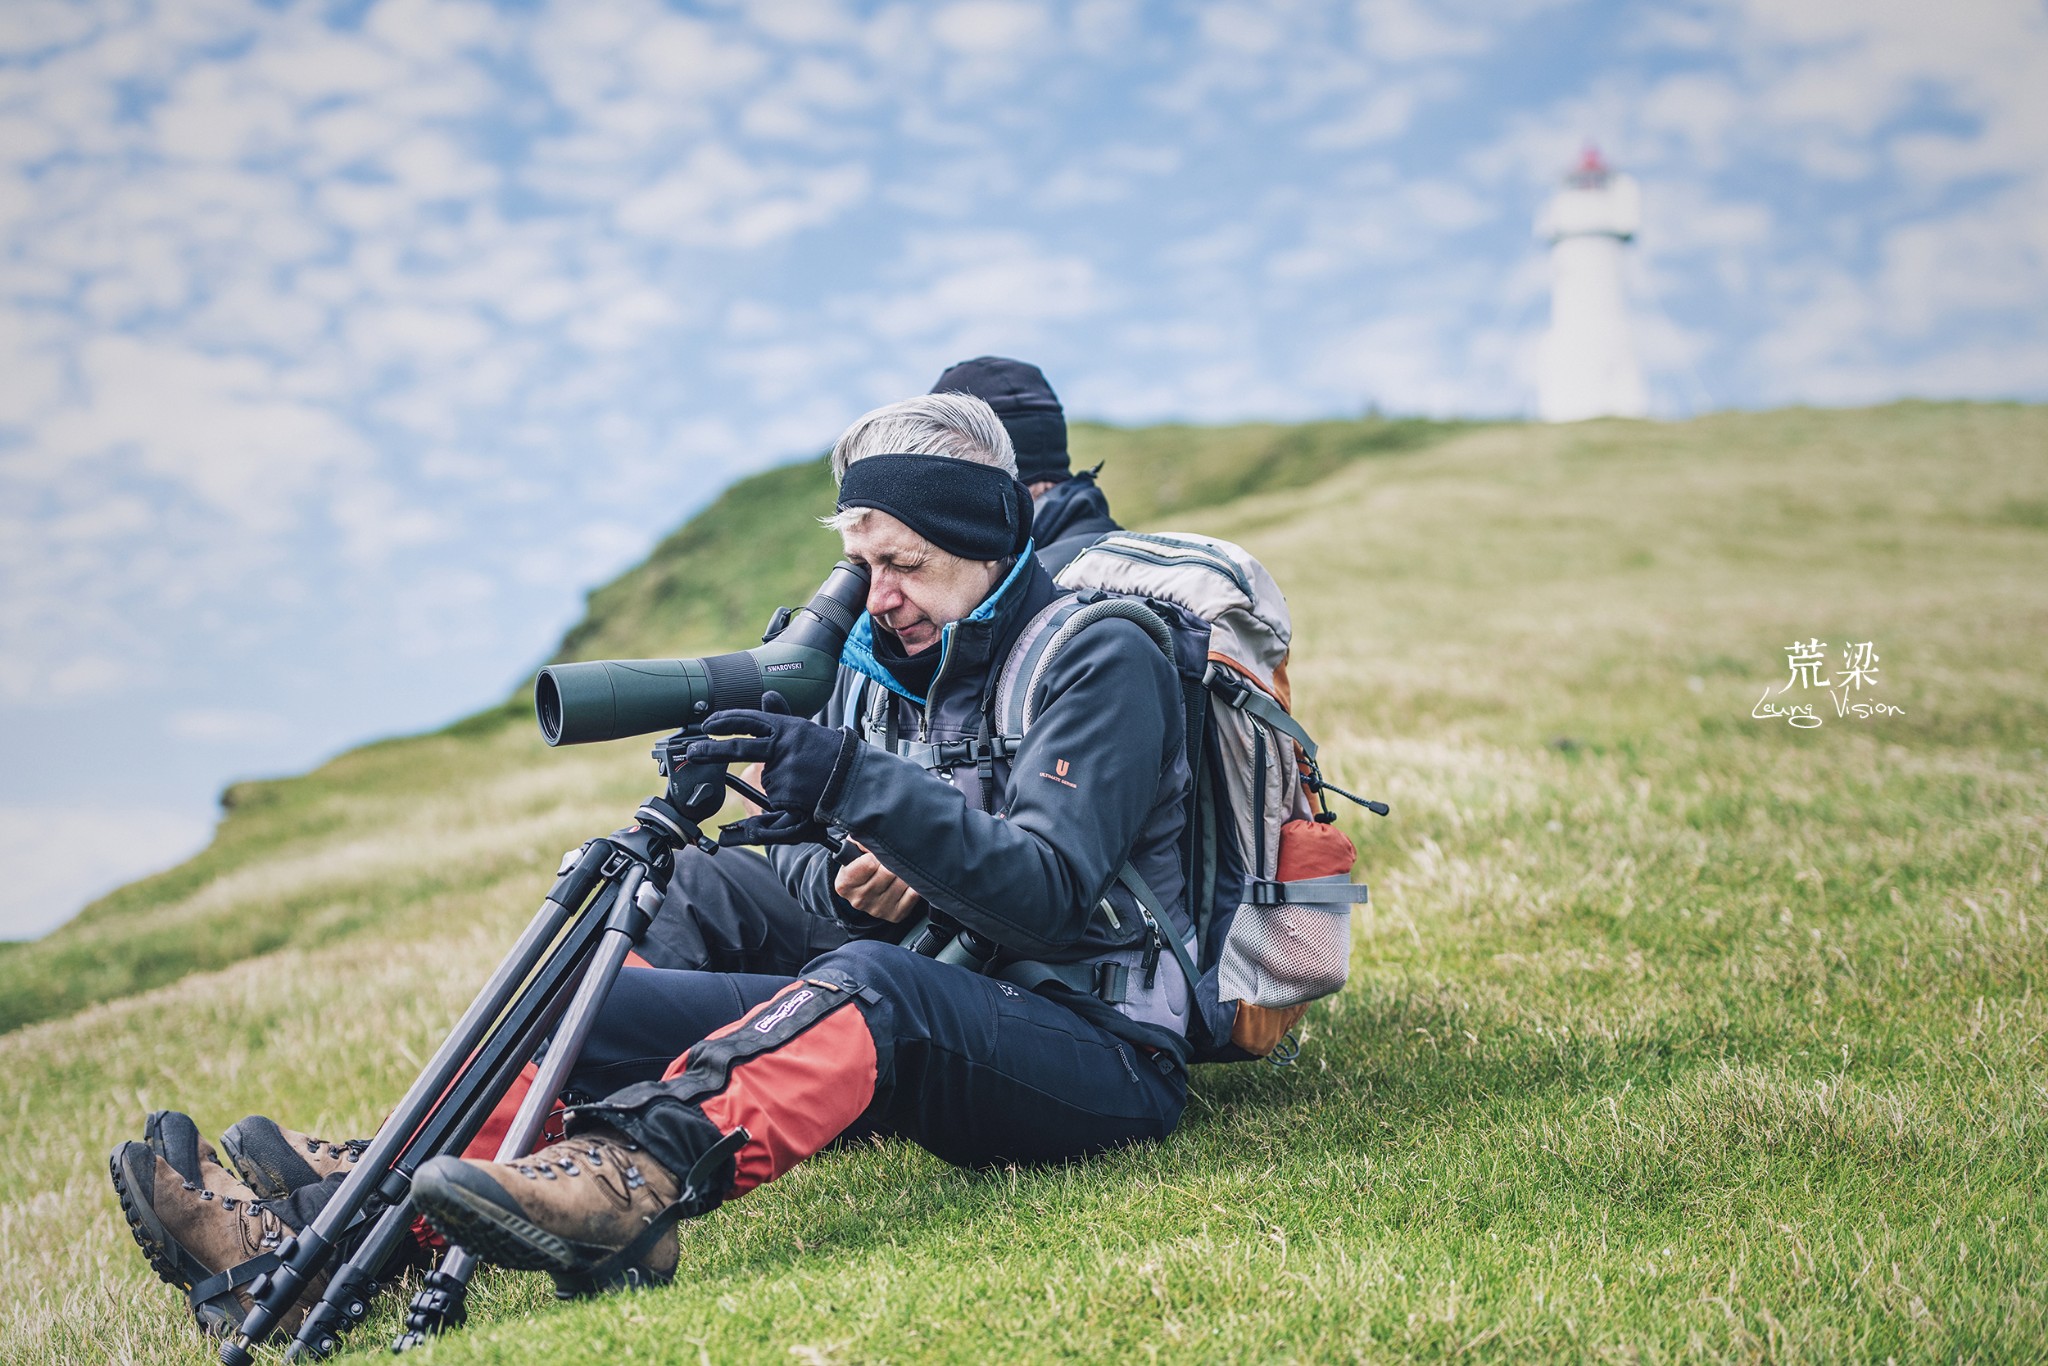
[(1100, 778), (1068, 518)]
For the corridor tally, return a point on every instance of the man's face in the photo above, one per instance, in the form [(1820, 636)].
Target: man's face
[(915, 589)]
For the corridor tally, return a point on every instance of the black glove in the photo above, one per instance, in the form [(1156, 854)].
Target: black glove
[(799, 757)]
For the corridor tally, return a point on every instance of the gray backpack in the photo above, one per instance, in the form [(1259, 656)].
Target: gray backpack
[(1268, 874)]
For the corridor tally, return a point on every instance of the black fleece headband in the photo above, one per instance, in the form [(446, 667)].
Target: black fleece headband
[(976, 511)]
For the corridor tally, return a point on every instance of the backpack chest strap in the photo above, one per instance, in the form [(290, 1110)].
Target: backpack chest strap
[(947, 755), (940, 758)]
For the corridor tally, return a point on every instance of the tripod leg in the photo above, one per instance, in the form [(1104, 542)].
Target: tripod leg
[(304, 1255), (515, 1037), (346, 1301), (442, 1303), (526, 1023)]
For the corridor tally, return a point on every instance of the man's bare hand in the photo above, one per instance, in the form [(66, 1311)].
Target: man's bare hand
[(873, 890)]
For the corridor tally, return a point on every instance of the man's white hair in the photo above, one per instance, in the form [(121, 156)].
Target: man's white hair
[(957, 425)]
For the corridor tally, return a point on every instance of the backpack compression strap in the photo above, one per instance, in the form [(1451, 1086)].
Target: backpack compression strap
[(1234, 691), (1305, 892)]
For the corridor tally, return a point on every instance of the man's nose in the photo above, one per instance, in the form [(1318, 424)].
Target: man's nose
[(883, 594)]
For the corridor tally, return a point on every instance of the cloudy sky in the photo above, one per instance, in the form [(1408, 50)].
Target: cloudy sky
[(342, 346)]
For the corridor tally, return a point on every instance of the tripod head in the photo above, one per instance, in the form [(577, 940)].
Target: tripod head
[(694, 795), (608, 699)]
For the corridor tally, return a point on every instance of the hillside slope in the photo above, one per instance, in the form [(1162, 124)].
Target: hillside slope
[(1672, 1032)]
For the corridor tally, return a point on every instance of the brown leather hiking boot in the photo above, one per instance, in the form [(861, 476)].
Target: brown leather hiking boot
[(592, 1209), (276, 1161), (198, 1239)]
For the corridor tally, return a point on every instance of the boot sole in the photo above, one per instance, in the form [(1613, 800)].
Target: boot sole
[(470, 1211), (133, 1167)]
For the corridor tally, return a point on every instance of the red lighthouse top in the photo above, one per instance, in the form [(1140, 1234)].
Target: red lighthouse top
[(1592, 171)]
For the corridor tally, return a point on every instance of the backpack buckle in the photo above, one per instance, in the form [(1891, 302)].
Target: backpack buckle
[(1228, 687)]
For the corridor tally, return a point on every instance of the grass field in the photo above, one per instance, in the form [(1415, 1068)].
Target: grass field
[(1672, 1034)]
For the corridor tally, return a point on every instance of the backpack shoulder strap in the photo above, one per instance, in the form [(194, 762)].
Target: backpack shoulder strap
[(1046, 636), (1013, 684), (869, 713)]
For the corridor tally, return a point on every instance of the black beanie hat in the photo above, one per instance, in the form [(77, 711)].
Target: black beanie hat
[(1030, 411)]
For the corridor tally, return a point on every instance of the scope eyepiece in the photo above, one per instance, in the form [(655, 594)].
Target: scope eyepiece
[(610, 699)]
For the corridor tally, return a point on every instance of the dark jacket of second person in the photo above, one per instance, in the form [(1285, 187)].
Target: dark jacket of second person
[(1068, 518)]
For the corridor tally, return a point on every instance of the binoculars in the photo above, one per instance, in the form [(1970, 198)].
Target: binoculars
[(610, 699)]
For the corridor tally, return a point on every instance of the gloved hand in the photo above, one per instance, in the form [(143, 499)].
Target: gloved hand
[(798, 756)]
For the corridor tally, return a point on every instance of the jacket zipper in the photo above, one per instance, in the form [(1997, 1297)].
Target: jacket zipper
[(931, 694)]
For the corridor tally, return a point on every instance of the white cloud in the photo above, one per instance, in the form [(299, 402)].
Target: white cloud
[(1245, 29), (214, 425), (32, 27), (1109, 174), (805, 21), (1383, 114), (981, 284), (1404, 223), (1407, 31), (1400, 361), (1103, 28), (717, 197), (989, 27)]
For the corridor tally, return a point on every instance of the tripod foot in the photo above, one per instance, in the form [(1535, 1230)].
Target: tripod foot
[(441, 1305)]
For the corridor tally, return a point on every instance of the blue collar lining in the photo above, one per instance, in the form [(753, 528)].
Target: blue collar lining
[(859, 652)]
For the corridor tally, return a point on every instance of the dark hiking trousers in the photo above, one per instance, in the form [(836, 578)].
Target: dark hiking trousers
[(975, 1070), (729, 912)]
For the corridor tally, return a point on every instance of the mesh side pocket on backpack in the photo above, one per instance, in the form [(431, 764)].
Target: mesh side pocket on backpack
[(1282, 955)]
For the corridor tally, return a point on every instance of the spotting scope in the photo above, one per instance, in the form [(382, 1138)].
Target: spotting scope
[(610, 699)]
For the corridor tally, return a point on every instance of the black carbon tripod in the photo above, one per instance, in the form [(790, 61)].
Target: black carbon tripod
[(546, 991)]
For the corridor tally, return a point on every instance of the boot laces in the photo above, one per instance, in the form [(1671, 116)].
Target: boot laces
[(349, 1149)]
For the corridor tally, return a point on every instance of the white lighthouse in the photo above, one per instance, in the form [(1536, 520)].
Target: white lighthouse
[(1589, 358)]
